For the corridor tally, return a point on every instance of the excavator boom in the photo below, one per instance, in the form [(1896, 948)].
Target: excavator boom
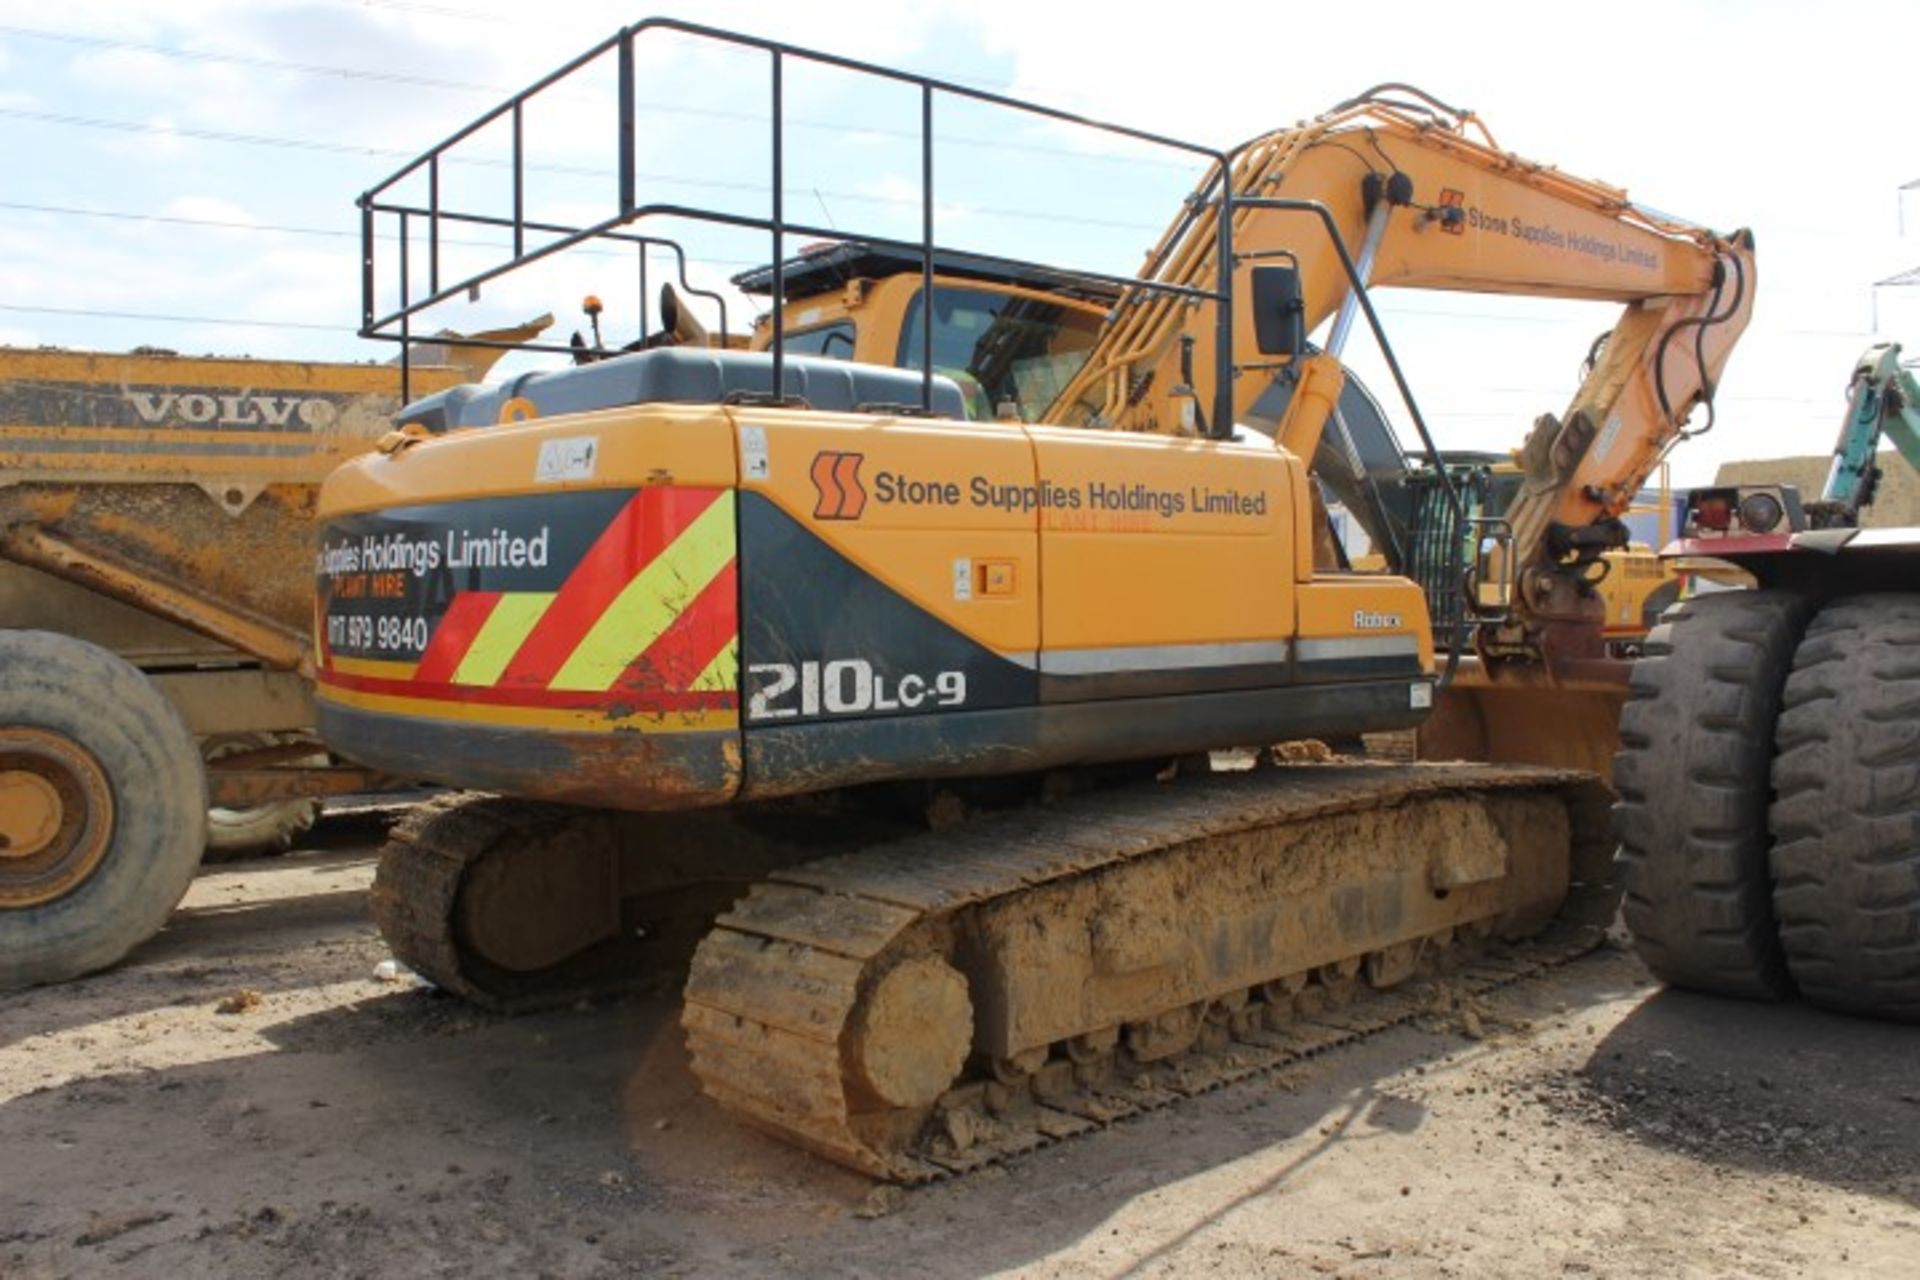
[(1419, 196)]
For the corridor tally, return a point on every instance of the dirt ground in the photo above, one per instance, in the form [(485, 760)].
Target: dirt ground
[(337, 1125)]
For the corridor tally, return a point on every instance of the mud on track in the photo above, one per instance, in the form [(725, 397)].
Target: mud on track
[(341, 1126)]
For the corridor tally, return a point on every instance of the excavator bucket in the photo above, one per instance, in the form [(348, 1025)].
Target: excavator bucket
[(1512, 714)]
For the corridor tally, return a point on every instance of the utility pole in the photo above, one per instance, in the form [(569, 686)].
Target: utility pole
[(1901, 280), (1904, 279)]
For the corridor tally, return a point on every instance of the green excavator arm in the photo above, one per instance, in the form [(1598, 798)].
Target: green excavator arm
[(1883, 401)]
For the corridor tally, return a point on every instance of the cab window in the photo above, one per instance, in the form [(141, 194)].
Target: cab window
[(1001, 349), (834, 341)]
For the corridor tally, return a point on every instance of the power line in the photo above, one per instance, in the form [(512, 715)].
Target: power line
[(226, 224), (440, 11), (204, 135), (175, 319), (1386, 309), (661, 179), (90, 40), (103, 314), (120, 215), (474, 15)]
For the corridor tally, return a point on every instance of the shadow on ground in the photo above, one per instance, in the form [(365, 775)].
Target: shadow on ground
[(1772, 1088), (406, 1131), (377, 1129), (298, 933)]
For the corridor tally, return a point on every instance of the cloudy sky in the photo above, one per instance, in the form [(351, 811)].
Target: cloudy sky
[(184, 174)]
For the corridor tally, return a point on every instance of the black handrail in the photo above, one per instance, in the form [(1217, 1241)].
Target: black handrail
[(778, 228), (576, 235)]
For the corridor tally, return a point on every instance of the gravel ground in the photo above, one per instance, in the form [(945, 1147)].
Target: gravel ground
[(244, 1097)]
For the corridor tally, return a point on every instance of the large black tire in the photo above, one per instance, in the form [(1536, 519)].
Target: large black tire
[(263, 828), (1696, 741), (1846, 813), (55, 689)]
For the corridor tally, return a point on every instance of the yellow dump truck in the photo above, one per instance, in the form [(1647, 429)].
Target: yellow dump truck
[(155, 603)]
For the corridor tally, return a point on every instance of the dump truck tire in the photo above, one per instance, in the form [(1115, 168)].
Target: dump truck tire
[(1846, 813), (262, 828), (1693, 776), (103, 808)]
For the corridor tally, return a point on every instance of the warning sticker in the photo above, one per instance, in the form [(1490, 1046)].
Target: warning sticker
[(572, 458)]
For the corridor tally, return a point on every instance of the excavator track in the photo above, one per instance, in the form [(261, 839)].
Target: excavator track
[(938, 1003), (516, 905), (429, 858)]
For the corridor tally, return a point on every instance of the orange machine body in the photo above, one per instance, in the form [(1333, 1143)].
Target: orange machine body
[(674, 605)]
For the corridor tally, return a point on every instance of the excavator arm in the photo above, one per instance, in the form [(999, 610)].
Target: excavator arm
[(1883, 400), (1421, 197)]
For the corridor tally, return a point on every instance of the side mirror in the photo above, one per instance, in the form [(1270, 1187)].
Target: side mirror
[(677, 319), (1491, 578), (1279, 312)]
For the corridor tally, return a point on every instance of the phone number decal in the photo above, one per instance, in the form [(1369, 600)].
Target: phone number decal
[(383, 633)]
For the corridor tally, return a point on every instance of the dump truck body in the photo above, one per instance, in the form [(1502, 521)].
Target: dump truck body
[(155, 538)]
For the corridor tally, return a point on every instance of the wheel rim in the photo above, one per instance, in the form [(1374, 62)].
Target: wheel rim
[(56, 816)]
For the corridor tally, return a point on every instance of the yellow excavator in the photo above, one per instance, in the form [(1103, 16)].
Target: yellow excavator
[(925, 700)]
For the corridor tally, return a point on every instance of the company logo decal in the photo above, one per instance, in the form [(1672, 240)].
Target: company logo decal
[(201, 409), (1453, 212), (646, 619), (836, 479)]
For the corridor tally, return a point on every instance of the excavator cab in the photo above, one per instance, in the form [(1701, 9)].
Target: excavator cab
[(1011, 337)]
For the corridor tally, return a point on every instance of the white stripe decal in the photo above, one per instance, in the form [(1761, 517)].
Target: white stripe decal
[(1335, 649), (1161, 657)]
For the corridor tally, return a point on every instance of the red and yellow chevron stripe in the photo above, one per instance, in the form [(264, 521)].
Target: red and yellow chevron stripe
[(646, 623)]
